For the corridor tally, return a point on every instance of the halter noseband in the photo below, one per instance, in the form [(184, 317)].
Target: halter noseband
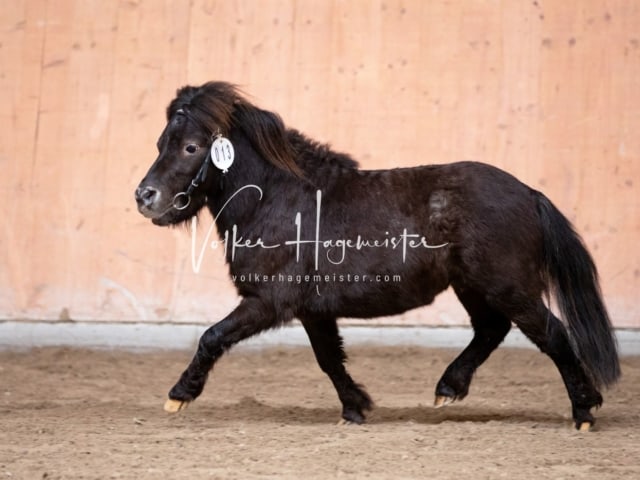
[(200, 177)]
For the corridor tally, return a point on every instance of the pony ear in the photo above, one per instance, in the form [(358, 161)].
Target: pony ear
[(268, 135), (183, 96)]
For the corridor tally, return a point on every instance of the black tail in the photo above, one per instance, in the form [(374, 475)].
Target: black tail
[(572, 276)]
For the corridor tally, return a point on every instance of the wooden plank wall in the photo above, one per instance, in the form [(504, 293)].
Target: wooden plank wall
[(548, 90)]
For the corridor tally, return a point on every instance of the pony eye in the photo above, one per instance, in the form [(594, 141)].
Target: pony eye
[(191, 148)]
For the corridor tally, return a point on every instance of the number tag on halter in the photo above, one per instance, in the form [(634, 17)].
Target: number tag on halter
[(222, 153)]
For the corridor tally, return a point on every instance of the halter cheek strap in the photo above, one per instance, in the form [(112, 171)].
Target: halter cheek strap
[(200, 177)]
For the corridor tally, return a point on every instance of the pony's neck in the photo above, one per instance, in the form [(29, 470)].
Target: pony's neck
[(317, 160), (235, 196)]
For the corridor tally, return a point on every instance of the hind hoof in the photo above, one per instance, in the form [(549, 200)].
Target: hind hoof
[(352, 417), (585, 427), (442, 401), (174, 406), (342, 422)]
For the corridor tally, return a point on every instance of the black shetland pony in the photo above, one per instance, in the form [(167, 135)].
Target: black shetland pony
[(310, 236)]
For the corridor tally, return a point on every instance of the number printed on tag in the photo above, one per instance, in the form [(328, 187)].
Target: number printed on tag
[(222, 153)]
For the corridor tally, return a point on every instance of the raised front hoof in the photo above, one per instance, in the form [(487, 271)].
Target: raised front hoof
[(174, 406), (446, 395)]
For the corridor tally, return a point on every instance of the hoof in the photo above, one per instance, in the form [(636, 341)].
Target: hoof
[(343, 422), (585, 427), (352, 416), (174, 406), (442, 401)]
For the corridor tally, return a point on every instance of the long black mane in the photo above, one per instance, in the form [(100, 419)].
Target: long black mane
[(219, 107)]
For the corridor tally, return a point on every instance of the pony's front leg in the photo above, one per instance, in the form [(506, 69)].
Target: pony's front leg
[(252, 316)]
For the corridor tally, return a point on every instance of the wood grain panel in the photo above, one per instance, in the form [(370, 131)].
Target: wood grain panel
[(545, 90)]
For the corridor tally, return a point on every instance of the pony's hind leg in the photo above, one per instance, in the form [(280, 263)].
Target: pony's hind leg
[(327, 346), (550, 336), (490, 327)]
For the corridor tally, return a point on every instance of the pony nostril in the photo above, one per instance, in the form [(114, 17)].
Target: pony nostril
[(146, 196)]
